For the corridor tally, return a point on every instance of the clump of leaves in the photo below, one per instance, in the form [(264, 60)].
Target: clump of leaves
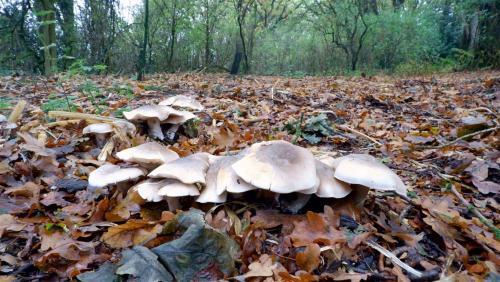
[(79, 67), (119, 112), (312, 131), (56, 103), (123, 90), (93, 93), (5, 103)]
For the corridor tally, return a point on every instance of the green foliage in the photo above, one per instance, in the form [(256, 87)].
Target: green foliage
[(119, 112), (123, 90), (5, 102), (79, 67), (313, 130), (93, 93), (57, 103)]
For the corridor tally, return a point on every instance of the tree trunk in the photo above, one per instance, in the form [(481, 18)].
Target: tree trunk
[(173, 31), (48, 30), (67, 23), (238, 54), (142, 57)]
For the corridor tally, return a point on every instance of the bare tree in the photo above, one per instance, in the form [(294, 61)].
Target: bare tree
[(141, 65)]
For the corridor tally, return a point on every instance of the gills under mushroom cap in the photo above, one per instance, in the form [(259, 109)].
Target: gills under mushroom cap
[(189, 170), (278, 166), (151, 153), (366, 170), (111, 174)]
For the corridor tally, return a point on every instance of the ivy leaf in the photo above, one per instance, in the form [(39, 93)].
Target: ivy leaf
[(143, 264)]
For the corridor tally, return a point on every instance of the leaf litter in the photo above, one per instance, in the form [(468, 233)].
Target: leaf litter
[(439, 134)]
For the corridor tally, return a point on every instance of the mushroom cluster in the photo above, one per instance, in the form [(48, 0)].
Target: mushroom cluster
[(276, 166), (165, 114)]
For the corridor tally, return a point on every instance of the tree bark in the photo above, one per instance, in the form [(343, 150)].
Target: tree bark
[(67, 23), (142, 56), (48, 31)]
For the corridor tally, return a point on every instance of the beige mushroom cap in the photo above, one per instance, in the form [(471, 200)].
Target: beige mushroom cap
[(209, 193), (149, 112), (3, 118), (111, 174), (189, 170), (313, 189), (178, 117), (366, 170), (330, 187), (98, 128), (148, 190), (183, 102), (228, 180), (278, 166), (148, 153), (174, 188)]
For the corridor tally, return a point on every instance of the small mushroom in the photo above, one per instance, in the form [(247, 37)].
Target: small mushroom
[(189, 170), (367, 171), (174, 188), (149, 154), (209, 193), (100, 131), (148, 190), (155, 115), (278, 166), (183, 102), (330, 187), (3, 118), (109, 174)]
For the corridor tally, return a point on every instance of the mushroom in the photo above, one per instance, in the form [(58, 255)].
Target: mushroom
[(183, 102), (149, 154), (100, 131), (175, 188), (155, 115), (3, 118), (148, 190), (329, 187), (109, 174), (367, 171), (226, 178), (189, 170), (210, 194), (278, 166)]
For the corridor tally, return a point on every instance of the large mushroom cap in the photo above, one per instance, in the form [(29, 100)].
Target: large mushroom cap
[(148, 153), (189, 170), (227, 180), (98, 128), (183, 102), (174, 188), (149, 112), (330, 187), (111, 174), (366, 170), (178, 117), (278, 166)]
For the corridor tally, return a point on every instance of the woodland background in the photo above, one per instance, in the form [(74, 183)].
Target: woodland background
[(271, 37)]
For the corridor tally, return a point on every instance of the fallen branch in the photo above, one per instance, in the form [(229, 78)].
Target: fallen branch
[(477, 213), (394, 258), (460, 138), (72, 115), (17, 111), (359, 133)]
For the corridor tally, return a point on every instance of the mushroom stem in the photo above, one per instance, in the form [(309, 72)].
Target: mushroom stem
[(100, 139), (173, 204), (155, 128)]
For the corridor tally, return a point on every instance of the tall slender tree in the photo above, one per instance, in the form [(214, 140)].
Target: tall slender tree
[(142, 56), (48, 35)]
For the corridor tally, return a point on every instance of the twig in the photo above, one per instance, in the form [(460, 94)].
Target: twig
[(476, 212), (72, 115), (394, 258), (17, 111), (359, 133), (460, 138)]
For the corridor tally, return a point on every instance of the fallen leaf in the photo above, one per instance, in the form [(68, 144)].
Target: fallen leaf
[(133, 232), (309, 260), (143, 264)]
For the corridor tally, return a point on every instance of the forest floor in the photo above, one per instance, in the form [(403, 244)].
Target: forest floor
[(440, 134)]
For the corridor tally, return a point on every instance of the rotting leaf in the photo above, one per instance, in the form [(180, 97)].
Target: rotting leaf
[(106, 272), (133, 232), (143, 264), (309, 260)]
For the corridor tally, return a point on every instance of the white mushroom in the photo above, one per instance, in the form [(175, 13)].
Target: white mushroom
[(209, 193), (100, 131), (330, 187), (175, 188), (366, 170), (148, 190), (155, 115), (183, 102), (3, 118), (189, 170), (149, 154), (228, 180), (278, 166), (109, 174)]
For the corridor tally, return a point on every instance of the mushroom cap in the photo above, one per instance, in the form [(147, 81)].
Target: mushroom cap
[(178, 117), (3, 118), (148, 190), (278, 166), (98, 128), (227, 180), (366, 170), (183, 102), (125, 125), (189, 170), (111, 174), (330, 187), (175, 188), (149, 153), (149, 112), (329, 161), (313, 189), (209, 193)]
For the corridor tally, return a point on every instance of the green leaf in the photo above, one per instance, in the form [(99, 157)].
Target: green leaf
[(143, 264)]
